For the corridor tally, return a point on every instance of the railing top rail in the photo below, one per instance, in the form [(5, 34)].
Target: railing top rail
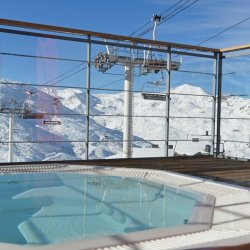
[(236, 48), (80, 32)]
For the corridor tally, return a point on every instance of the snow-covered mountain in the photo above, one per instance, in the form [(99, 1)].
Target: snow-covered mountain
[(35, 141)]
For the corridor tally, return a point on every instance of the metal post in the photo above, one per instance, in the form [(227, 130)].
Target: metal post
[(127, 123), (168, 85), (11, 126), (215, 77), (88, 99), (218, 136)]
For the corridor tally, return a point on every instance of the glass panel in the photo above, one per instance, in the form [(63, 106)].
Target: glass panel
[(149, 128), (106, 149), (182, 105), (236, 149), (46, 91), (42, 98), (190, 136), (106, 103), (44, 151), (154, 148), (235, 107)]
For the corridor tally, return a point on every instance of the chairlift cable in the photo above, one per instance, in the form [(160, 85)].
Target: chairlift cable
[(42, 57), (67, 77), (50, 58), (162, 13), (147, 68), (149, 22), (170, 15), (113, 74), (47, 83), (167, 18), (65, 73), (223, 31), (105, 85)]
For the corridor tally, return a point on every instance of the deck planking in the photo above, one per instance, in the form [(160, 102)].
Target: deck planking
[(218, 169)]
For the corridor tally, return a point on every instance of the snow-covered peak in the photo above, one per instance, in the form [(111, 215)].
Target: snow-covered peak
[(6, 80), (66, 141), (188, 89)]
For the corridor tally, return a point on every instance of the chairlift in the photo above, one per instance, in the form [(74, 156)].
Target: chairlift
[(10, 105), (106, 60), (52, 122), (28, 108), (151, 64), (54, 119), (152, 95), (154, 90), (156, 65)]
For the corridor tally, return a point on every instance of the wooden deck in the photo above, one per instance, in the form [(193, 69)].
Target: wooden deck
[(224, 170)]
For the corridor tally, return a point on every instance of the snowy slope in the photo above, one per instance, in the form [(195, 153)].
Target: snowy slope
[(66, 141)]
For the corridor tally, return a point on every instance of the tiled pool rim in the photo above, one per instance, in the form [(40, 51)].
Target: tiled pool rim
[(201, 221)]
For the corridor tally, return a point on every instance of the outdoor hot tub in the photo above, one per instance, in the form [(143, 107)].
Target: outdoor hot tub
[(47, 210)]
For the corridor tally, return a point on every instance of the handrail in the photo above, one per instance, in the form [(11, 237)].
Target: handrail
[(80, 32), (236, 48)]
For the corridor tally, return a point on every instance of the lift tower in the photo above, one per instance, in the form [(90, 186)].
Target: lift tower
[(11, 107), (147, 62)]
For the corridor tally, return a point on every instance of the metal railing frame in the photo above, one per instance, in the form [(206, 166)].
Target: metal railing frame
[(94, 38)]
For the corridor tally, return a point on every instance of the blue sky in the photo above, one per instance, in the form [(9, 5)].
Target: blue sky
[(195, 24), (203, 19)]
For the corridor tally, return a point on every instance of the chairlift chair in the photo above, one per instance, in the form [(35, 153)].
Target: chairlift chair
[(54, 119), (156, 65), (153, 91), (10, 105), (28, 108), (52, 122)]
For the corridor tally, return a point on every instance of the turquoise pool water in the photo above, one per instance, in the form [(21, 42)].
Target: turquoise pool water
[(39, 209)]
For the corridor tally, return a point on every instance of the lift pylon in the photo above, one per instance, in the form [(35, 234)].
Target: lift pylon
[(148, 63)]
